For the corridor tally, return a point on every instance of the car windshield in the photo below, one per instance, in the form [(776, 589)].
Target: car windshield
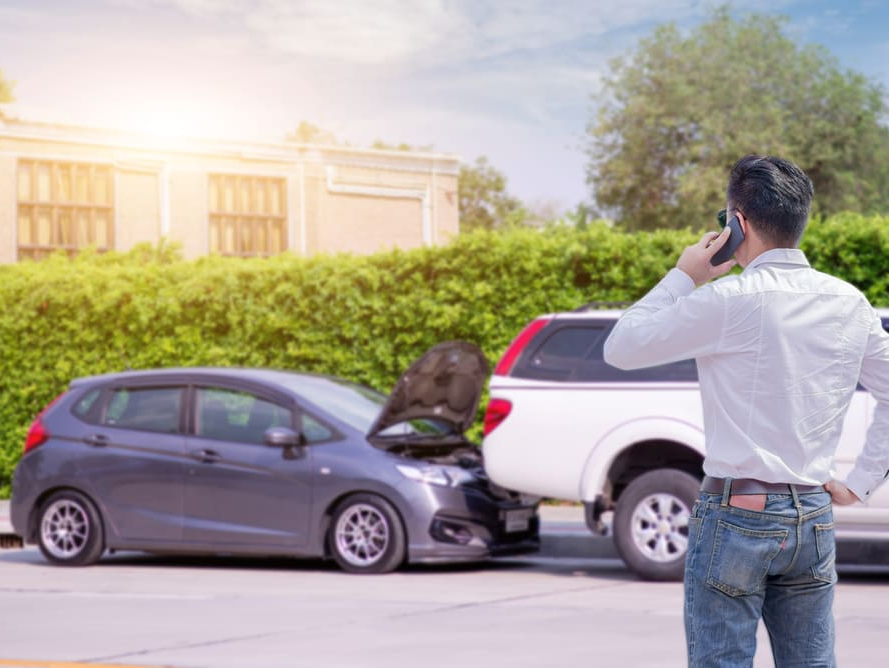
[(357, 405)]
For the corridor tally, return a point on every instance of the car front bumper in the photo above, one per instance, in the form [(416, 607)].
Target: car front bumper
[(471, 524)]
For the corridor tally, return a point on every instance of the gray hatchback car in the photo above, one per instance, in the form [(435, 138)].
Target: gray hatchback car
[(264, 462)]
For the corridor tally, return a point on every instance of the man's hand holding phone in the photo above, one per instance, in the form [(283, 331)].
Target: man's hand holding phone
[(696, 259)]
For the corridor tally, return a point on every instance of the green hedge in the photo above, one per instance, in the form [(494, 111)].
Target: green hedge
[(363, 318)]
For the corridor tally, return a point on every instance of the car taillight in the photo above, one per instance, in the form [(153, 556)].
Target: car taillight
[(504, 366), (498, 410), (37, 434)]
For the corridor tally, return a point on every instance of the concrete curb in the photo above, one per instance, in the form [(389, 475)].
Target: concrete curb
[(563, 534)]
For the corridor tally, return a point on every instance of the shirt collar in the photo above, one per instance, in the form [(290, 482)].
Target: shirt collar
[(788, 256)]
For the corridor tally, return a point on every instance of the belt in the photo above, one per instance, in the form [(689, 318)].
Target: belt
[(713, 485)]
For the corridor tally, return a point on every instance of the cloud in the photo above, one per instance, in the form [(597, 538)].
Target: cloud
[(384, 33), (427, 33)]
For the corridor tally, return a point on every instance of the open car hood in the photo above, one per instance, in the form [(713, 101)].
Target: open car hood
[(444, 385)]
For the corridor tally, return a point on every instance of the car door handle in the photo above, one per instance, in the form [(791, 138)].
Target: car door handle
[(207, 456), (98, 440)]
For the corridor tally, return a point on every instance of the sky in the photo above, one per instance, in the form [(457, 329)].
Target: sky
[(515, 81)]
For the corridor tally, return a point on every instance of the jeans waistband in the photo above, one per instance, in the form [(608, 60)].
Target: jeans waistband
[(713, 485)]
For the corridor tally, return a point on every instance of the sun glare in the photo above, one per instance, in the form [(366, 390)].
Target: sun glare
[(168, 123)]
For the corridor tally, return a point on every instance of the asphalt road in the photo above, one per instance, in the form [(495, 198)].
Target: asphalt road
[(137, 610)]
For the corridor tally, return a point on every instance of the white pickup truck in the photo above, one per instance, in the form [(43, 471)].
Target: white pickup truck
[(563, 424)]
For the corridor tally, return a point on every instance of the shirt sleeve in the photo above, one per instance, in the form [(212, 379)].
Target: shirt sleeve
[(673, 322), (872, 466)]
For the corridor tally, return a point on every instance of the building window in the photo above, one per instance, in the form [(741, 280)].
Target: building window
[(64, 205), (248, 215)]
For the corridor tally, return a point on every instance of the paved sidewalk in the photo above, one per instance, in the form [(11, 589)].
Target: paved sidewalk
[(8, 540), (5, 526)]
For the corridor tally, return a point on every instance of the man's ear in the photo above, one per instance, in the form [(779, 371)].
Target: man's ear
[(745, 226)]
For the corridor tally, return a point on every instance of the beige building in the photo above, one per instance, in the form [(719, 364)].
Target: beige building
[(65, 187)]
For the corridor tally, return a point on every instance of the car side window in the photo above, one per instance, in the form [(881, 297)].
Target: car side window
[(573, 353), (240, 417), (88, 407), (313, 431), (560, 352), (145, 408)]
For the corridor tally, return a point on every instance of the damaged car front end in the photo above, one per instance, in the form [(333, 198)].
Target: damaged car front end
[(424, 424)]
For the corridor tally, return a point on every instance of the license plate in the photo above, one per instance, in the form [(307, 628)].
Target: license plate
[(518, 520)]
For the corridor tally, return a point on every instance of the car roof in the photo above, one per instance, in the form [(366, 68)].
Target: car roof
[(612, 314), (585, 313), (277, 377)]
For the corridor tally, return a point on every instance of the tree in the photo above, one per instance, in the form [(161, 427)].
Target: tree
[(681, 110), (309, 133), (484, 202), (581, 217), (6, 89)]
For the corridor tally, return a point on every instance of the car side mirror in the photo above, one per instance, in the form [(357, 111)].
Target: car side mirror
[(282, 437)]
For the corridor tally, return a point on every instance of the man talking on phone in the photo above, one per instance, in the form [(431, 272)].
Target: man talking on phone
[(780, 350)]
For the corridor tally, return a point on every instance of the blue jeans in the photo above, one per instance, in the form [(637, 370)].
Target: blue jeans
[(778, 564)]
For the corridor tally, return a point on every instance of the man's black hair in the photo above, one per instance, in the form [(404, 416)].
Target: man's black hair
[(774, 195)]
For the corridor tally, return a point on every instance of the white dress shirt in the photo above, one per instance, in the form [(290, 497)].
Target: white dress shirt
[(780, 349)]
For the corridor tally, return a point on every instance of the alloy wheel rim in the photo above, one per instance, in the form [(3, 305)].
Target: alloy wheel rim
[(65, 529), (362, 535), (660, 527)]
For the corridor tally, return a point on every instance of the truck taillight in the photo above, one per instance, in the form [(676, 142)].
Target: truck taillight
[(498, 410), (504, 366)]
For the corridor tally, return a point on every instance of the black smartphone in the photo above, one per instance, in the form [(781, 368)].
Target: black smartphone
[(735, 238)]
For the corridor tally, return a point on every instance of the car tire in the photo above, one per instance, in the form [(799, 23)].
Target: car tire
[(366, 535), (69, 530), (651, 523)]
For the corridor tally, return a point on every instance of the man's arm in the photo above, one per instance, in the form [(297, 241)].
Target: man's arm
[(661, 327), (872, 466)]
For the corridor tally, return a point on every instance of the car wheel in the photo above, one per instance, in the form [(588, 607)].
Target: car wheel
[(366, 535), (70, 531), (651, 523)]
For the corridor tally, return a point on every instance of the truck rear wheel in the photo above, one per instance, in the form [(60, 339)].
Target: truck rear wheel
[(651, 523)]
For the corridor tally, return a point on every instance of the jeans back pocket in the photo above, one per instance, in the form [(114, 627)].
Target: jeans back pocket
[(741, 558), (825, 568)]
